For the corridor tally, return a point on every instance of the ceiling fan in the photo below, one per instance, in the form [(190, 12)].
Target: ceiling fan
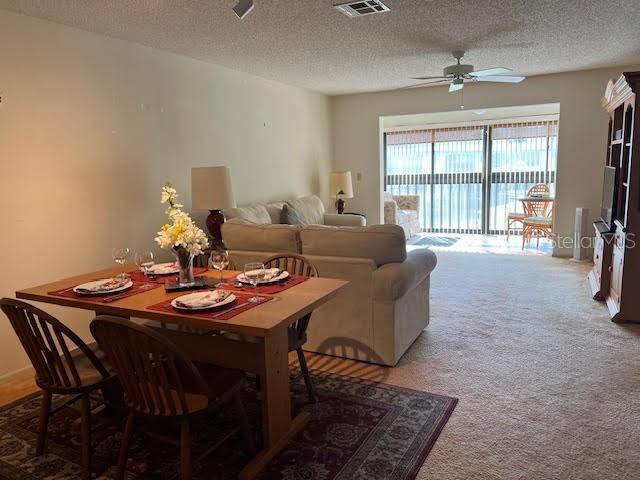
[(457, 74)]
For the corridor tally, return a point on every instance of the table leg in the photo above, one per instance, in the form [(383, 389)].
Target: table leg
[(277, 424)]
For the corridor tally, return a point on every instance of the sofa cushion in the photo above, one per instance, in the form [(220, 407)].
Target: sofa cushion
[(289, 216), (239, 234), (381, 243), (253, 213), (274, 210), (311, 209)]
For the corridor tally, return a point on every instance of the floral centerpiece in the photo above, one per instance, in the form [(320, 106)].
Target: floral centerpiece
[(180, 235)]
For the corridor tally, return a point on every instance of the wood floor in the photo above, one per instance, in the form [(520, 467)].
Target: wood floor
[(17, 388)]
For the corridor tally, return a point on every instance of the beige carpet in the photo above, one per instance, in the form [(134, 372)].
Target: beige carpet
[(549, 387)]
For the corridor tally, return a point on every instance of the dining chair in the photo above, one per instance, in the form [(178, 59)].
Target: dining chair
[(297, 265), (517, 217), (160, 381), (58, 370), (538, 220)]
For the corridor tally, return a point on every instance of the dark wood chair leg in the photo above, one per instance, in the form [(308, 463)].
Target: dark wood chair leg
[(307, 378), (245, 429), (185, 451), (86, 436), (124, 446), (45, 410)]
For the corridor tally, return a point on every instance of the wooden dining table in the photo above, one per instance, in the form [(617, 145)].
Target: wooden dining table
[(261, 346)]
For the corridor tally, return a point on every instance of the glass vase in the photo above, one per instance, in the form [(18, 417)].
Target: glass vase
[(184, 260)]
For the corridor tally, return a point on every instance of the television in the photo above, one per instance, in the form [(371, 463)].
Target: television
[(609, 196)]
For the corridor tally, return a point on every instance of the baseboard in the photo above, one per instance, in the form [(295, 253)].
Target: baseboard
[(17, 374), (29, 371)]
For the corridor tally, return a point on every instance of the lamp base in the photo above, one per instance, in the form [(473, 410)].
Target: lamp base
[(340, 205), (215, 219)]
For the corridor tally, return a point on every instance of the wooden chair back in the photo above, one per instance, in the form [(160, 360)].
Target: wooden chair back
[(157, 378), (292, 263), (539, 188), (537, 209), (46, 341), (295, 265)]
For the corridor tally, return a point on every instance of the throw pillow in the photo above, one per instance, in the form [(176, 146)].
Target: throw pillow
[(290, 216)]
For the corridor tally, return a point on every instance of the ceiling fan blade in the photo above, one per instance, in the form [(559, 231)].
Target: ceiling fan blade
[(454, 87), (500, 78), (422, 84), (427, 78), (490, 71)]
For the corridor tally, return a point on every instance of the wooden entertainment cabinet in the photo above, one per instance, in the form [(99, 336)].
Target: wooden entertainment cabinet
[(615, 277)]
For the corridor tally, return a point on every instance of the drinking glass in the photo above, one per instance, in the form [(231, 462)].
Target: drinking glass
[(254, 272), (145, 261), (120, 256), (219, 260)]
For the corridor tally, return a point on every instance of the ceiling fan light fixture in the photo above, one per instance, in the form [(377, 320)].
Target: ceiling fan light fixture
[(243, 8)]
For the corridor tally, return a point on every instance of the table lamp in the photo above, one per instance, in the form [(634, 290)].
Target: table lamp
[(340, 188), (211, 190)]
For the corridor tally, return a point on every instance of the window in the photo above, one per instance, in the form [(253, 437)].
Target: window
[(469, 178)]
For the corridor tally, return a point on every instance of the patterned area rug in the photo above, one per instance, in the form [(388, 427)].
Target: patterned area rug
[(359, 430)]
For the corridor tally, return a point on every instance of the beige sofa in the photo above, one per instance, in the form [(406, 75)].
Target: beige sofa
[(403, 210), (311, 210), (386, 305)]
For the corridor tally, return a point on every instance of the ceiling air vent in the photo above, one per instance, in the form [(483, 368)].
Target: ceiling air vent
[(359, 9)]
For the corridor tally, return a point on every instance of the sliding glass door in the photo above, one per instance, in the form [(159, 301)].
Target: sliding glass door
[(469, 178)]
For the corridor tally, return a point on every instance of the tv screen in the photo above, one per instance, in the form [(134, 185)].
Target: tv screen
[(609, 195)]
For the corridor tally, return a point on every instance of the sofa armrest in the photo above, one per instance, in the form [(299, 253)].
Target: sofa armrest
[(407, 202), (393, 280), (344, 220), (390, 212)]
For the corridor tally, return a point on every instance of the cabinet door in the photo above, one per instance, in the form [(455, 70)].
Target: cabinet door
[(616, 274), (597, 256)]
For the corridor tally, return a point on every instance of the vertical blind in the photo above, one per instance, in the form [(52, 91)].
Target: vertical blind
[(469, 178)]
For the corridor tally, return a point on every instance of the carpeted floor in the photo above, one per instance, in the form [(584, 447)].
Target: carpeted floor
[(549, 387)]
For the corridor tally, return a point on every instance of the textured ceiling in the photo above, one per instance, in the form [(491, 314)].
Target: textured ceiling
[(309, 44)]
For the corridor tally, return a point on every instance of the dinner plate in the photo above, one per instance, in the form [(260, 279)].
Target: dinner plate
[(168, 268), (243, 279), (85, 287), (194, 296)]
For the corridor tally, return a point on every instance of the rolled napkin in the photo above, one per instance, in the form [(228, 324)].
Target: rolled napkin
[(163, 269), (271, 273), (202, 299), (105, 286)]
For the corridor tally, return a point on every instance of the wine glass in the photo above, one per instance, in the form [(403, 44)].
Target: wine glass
[(254, 273), (219, 260), (120, 256), (144, 261)]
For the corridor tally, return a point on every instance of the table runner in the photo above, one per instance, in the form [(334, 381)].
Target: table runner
[(241, 305), (138, 276), (107, 297)]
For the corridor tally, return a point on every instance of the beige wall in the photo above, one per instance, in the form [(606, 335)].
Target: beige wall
[(583, 126), (91, 127)]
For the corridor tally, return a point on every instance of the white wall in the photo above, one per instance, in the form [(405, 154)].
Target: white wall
[(90, 129), (581, 148)]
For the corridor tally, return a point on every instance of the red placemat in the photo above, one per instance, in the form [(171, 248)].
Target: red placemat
[(242, 304), (138, 276), (138, 287), (268, 289)]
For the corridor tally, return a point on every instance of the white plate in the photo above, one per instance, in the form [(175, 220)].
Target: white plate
[(197, 295), (168, 268), (241, 278), (81, 288)]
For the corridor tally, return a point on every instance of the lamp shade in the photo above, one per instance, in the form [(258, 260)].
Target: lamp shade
[(341, 185), (211, 188)]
